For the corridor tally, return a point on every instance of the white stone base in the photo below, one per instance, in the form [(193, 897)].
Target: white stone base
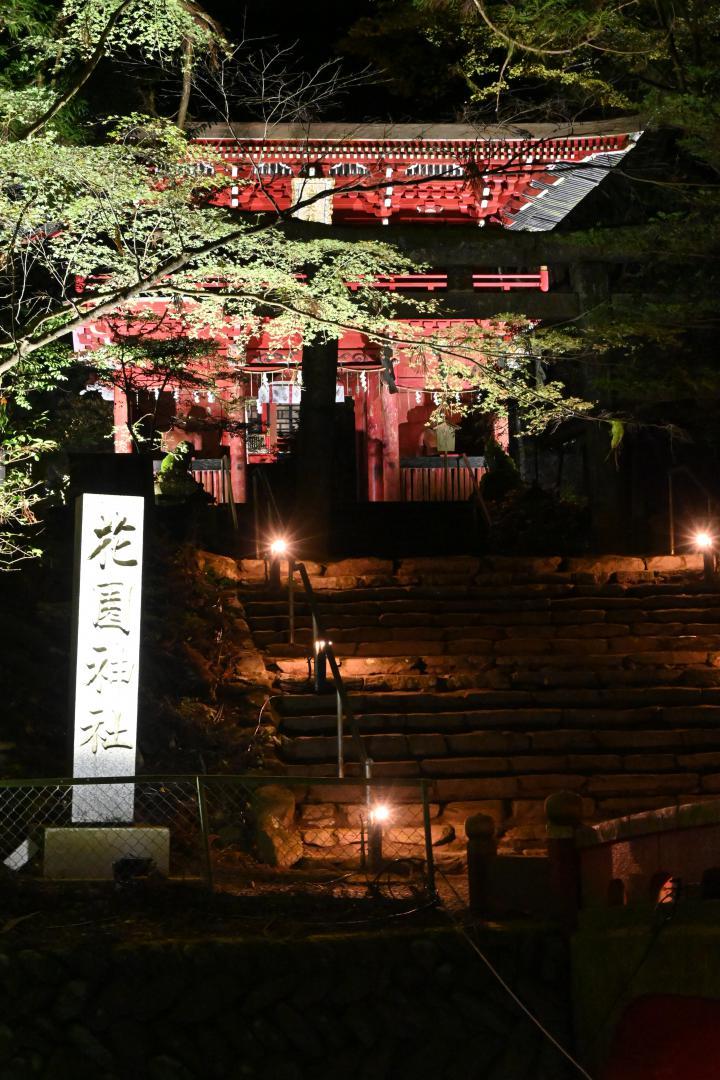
[(88, 854)]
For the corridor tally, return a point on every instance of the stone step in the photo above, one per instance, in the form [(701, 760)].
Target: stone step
[(366, 602), (586, 669), (627, 701), (487, 729), (644, 787), (693, 620), (642, 636), (505, 753), (461, 641)]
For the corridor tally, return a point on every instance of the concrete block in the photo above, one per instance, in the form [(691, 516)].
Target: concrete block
[(88, 854)]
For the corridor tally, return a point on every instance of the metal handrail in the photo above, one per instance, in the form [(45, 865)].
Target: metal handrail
[(272, 514), (344, 708), (687, 471)]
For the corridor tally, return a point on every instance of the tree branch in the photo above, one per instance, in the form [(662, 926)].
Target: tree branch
[(81, 78)]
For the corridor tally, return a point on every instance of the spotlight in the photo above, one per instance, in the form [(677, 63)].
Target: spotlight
[(378, 817), (278, 549), (705, 542), (379, 814)]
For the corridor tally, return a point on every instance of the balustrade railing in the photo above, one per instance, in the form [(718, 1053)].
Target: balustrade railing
[(445, 478), (214, 475)]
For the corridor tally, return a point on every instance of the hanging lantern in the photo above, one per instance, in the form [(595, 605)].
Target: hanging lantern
[(436, 398), (196, 397), (363, 380), (418, 397), (210, 398)]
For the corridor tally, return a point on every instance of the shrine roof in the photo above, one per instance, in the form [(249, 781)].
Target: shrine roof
[(415, 132), (525, 178)]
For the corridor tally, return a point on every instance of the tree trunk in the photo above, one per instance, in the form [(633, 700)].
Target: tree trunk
[(315, 446), (605, 482), (187, 52)]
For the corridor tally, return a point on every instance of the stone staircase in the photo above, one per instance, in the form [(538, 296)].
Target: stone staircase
[(500, 687)]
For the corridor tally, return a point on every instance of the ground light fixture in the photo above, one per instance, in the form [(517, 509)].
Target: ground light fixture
[(278, 549), (320, 665), (704, 542), (378, 817), (379, 814)]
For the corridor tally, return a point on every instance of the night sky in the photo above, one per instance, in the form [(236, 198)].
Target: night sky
[(321, 31)]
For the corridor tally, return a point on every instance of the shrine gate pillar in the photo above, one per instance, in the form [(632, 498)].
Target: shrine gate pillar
[(375, 440), (391, 445), (121, 434), (236, 441)]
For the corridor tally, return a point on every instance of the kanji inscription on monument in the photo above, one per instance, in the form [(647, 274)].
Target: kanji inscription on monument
[(109, 583)]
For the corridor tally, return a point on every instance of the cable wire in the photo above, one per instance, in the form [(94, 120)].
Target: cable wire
[(496, 974)]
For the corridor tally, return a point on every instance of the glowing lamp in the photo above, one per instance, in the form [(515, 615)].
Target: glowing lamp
[(278, 548), (379, 814), (703, 540)]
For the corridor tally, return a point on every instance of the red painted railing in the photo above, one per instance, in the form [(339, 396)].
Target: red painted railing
[(506, 282), (439, 479), (427, 282)]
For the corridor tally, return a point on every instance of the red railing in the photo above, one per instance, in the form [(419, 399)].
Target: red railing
[(506, 282), (427, 282), (214, 476), (445, 478)]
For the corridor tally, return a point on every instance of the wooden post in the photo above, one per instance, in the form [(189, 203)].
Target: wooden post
[(375, 438), (563, 811), (481, 850), (235, 437), (361, 445), (238, 467), (121, 435), (391, 445)]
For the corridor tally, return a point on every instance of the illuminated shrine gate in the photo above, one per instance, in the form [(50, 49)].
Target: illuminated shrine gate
[(394, 450), (374, 175)]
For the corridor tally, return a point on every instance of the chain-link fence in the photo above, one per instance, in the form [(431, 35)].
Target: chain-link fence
[(234, 833)]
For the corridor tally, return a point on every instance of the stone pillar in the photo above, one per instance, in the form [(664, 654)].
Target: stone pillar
[(391, 445), (121, 436), (563, 811), (481, 850)]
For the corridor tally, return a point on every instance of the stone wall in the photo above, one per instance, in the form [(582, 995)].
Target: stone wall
[(374, 1006), (464, 569)]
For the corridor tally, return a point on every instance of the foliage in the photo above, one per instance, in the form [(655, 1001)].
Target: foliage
[(502, 476), (174, 481), (98, 211), (555, 59), (529, 520), (651, 354), (20, 494)]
